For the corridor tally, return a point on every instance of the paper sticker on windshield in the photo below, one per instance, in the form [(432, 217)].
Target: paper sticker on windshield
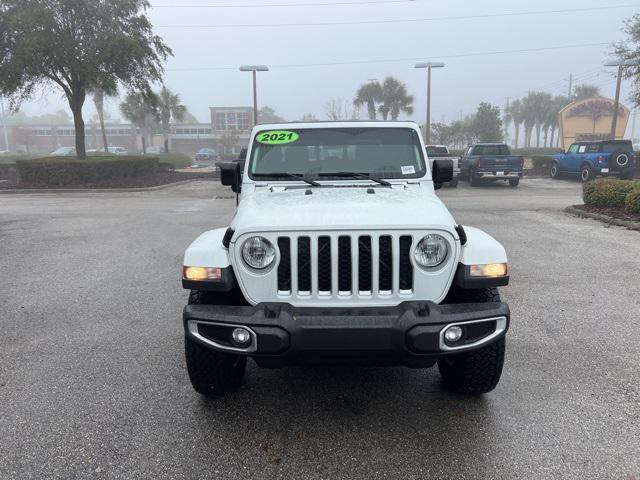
[(408, 170), (277, 137)]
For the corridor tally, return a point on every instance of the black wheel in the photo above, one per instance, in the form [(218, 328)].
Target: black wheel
[(514, 182), (473, 180), (477, 371), (586, 173), (212, 372), (555, 170), (454, 183)]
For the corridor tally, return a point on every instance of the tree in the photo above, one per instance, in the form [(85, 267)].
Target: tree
[(395, 99), (188, 117), (141, 109), (308, 117), (77, 46), (585, 91), (629, 51), (487, 124), (99, 94), (369, 94), (339, 109), (517, 117), (268, 115), (169, 107)]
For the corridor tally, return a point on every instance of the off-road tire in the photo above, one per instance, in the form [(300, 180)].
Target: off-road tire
[(554, 172), (478, 371), (586, 173), (514, 182), (619, 155), (473, 181), (212, 372)]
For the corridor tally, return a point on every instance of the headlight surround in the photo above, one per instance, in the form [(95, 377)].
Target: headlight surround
[(431, 251), (258, 252)]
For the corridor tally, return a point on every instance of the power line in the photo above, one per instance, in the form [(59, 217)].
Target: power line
[(397, 60), (321, 4), (409, 20)]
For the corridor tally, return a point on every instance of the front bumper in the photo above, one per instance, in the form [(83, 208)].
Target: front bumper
[(410, 334)]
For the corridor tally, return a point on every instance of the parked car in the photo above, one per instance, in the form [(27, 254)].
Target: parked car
[(441, 152), (64, 152), (206, 155), (113, 150), (491, 161), (343, 255), (588, 160), (155, 150)]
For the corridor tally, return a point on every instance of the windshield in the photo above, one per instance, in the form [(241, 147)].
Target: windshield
[(490, 150), (314, 152), (437, 152)]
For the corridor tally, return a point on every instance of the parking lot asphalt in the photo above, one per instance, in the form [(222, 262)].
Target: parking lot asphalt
[(93, 382)]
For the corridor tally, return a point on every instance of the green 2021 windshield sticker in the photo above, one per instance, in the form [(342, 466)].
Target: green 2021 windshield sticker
[(277, 137)]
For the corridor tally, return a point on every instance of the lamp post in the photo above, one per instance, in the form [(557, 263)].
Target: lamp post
[(616, 103), (428, 66), (254, 69)]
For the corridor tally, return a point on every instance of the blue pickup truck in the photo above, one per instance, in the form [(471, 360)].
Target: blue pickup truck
[(491, 161), (590, 159)]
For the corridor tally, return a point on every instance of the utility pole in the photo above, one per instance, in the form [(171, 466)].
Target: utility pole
[(428, 66), (254, 69), (616, 104), (4, 124), (570, 86)]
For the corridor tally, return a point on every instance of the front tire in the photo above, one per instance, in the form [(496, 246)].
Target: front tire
[(478, 371), (211, 372), (555, 171)]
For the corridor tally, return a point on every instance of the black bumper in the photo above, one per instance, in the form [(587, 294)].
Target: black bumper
[(410, 334)]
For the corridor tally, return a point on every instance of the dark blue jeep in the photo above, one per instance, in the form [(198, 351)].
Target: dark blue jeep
[(590, 159)]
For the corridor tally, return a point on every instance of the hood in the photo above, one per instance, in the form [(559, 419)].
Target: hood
[(409, 206)]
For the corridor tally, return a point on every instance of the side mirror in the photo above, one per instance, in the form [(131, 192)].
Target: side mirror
[(442, 171), (231, 175), (243, 154)]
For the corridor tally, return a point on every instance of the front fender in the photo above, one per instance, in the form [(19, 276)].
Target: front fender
[(208, 251), (481, 248)]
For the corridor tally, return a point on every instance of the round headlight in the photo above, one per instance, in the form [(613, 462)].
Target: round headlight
[(258, 252), (431, 251)]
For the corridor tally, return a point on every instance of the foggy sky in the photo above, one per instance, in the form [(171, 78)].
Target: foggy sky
[(457, 89)]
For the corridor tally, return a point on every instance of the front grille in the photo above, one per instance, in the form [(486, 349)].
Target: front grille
[(345, 265)]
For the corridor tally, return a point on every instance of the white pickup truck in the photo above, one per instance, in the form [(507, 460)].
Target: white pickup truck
[(441, 152), (340, 252)]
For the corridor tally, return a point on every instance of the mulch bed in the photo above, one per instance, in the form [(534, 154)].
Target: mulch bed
[(615, 212), (160, 178)]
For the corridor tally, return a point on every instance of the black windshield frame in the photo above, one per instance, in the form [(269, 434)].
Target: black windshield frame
[(413, 145)]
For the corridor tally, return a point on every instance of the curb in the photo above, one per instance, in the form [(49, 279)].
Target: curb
[(629, 224), (101, 190)]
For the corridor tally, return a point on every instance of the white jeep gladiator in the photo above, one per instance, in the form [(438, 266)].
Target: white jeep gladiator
[(340, 253)]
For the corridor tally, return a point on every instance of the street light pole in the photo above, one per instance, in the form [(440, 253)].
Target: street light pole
[(254, 69), (616, 103), (428, 66)]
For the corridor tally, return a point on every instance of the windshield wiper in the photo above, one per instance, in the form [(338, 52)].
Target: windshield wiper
[(364, 176), (297, 176)]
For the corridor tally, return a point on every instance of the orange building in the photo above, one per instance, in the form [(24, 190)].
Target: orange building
[(590, 119)]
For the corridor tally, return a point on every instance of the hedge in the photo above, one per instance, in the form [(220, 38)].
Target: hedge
[(632, 201), (178, 160), (57, 171), (608, 192)]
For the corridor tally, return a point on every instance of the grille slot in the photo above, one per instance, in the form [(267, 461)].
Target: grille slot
[(344, 265), (364, 265), (304, 265), (385, 265), (406, 268), (324, 265), (284, 267)]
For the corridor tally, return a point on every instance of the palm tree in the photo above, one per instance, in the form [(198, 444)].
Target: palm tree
[(99, 94), (395, 99), (517, 117), (141, 109), (169, 107), (369, 94), (585, 91)]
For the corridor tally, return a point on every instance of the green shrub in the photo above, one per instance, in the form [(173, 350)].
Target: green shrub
[(177, 160), (608, 192), (57, 171), (541, 161), (165, 167), (632, 200)]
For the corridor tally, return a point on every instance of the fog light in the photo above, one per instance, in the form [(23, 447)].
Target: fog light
[(241, 337), (199, 274), (453, 334)]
